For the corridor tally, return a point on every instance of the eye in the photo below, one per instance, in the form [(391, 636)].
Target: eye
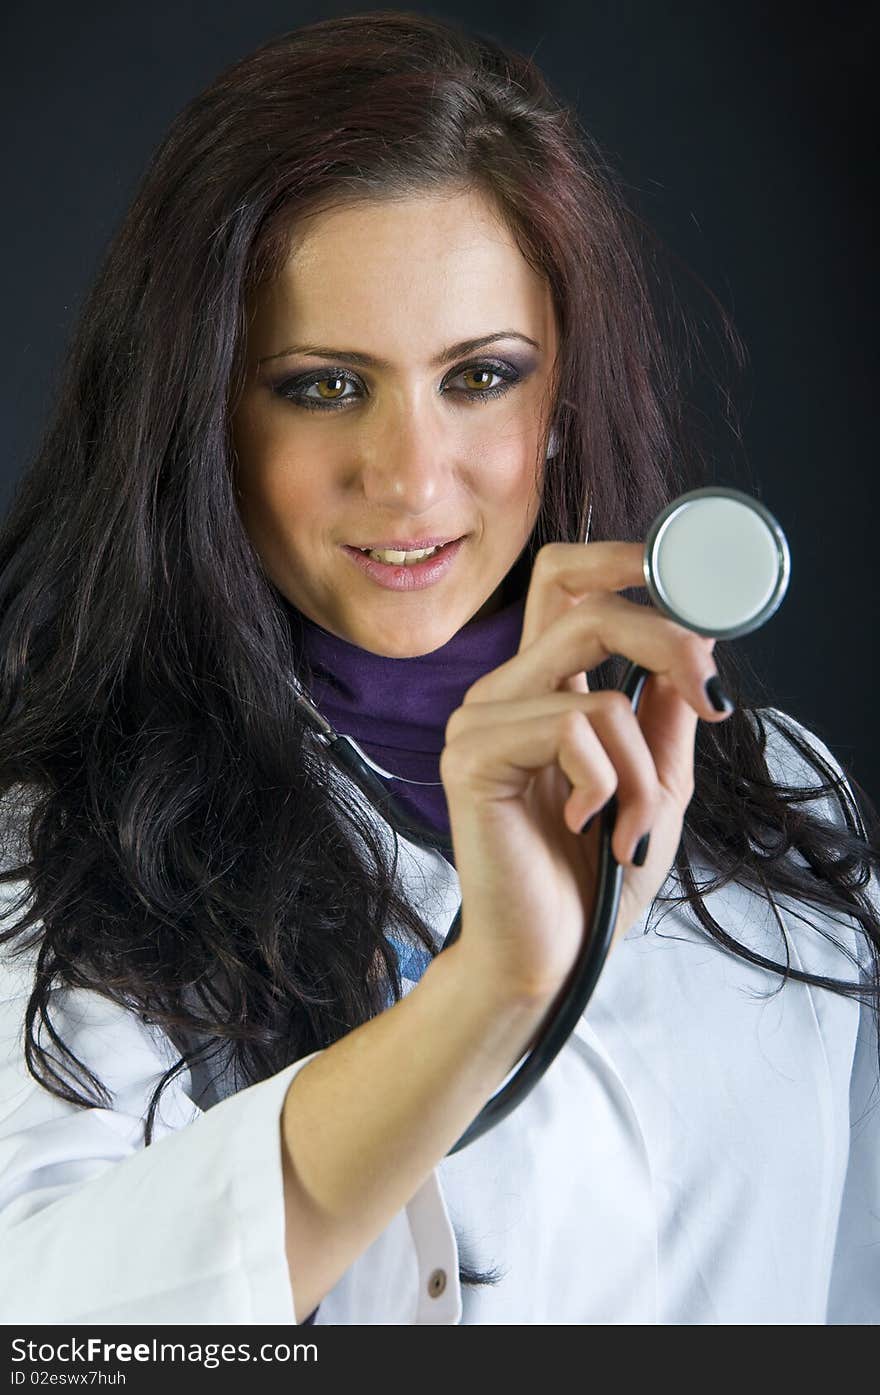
[(295, 389), (505, 372)]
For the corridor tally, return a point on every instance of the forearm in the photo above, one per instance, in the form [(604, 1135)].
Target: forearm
[(367, 1120)]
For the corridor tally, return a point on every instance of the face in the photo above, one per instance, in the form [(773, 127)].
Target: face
[(373, 439)]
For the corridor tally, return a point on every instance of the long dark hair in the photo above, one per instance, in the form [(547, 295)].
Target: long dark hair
[(185, 853)]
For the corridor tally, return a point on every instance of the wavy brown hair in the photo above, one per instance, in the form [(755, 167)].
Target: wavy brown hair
[(184, 852)]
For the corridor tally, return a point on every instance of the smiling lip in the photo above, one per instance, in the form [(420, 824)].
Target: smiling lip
[(407, 546), (404, 577)]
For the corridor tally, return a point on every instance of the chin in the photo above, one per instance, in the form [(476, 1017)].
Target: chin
[(410, 642)]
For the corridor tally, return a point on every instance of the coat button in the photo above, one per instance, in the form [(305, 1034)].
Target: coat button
[(437, 1283)]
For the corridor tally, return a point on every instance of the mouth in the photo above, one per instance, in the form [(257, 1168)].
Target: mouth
[(404, 570)]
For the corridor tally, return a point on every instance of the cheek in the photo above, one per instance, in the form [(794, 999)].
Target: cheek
[(285, 505), (270, 475), (523, 504), (264, 447), (511, 487)]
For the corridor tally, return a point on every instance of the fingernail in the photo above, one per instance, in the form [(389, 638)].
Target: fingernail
[(641, 850), (716, 694), (589, 823)]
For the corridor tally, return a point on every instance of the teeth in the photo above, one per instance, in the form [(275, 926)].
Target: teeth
[(400, 559)]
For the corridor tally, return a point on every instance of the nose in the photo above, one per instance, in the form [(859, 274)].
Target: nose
[(407, 466)]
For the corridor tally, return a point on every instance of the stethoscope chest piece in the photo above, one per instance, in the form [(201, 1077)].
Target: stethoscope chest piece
[(717, 561)]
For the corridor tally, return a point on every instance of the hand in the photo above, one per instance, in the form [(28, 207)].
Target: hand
[(532, 752)]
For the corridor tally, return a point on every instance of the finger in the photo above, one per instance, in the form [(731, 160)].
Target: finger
[(669, 726), (496, 760), (563, 573), (599, 626), (637, 790), (603, 754)]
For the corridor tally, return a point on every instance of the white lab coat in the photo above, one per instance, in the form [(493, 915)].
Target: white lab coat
[(698, 1152)]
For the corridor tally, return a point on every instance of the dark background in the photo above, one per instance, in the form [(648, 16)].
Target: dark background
[(742, 130)]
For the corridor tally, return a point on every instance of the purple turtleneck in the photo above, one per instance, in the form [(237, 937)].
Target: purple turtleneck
[(397, 709)]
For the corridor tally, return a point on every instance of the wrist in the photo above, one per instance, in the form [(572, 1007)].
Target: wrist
[(484, 984)]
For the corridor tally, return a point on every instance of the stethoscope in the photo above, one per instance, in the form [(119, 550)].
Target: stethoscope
[(717, 562)]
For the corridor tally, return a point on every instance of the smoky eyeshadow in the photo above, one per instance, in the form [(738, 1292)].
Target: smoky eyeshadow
[(524, 364)]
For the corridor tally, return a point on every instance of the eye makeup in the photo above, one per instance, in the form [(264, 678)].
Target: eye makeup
[(293, 387)]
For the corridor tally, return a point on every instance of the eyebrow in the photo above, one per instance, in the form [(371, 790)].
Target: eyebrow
[(466, 346)]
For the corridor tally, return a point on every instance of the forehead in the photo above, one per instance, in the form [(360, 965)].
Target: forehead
[(416, 272)]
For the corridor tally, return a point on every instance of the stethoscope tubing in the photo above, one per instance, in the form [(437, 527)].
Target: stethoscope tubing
[(576, 993)]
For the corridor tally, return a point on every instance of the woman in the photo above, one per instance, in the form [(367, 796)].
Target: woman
[(237, 1059)]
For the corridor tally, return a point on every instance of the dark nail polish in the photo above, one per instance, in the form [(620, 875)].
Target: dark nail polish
[(717, 695), (589, 824), (641, 851)]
